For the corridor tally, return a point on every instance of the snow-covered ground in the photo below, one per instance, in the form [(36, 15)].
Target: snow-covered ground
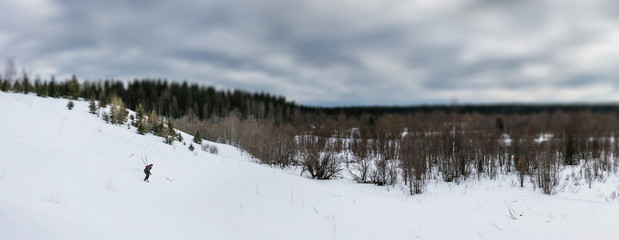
[(65, 174)]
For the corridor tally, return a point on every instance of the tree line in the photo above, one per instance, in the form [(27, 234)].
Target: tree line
[(168, 99)]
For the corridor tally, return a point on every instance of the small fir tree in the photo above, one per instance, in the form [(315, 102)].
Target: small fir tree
[(70, 105), (6, 86), (141, 128), (196, 138), (140, 114), (179, 137), (27, 86), (103, 102), (92, 107), (40, 88), (168, 140), (53, 88), (171, 131), (17, 87), (191, 148)]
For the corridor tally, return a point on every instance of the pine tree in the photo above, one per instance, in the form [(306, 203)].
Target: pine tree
[(196, 138), (140, 113), (27, 87), (191, 148), (53, 88), (6, 85), (17, 87), (45, 89), (103, 102), (173, 108), (73, 88), (40, 88)]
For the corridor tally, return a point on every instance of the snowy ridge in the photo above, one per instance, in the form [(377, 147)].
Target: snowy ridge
[(66, 174)]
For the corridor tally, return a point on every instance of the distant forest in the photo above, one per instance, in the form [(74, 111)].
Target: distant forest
[(383, 145), (177, 99), (172, 100)]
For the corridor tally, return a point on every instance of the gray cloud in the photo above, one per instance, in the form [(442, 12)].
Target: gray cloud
[(330, 52)]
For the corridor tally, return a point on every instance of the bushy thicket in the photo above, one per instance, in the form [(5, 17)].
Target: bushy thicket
[(449, 147), (271, 144)]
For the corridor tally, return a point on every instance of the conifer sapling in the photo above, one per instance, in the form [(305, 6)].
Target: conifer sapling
[(196, 138), (70, 105), (92, 107)]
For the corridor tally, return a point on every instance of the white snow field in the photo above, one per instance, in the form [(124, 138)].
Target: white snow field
[(66, 174)]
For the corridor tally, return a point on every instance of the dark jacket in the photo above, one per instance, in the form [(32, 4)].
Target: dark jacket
[(147, 169)]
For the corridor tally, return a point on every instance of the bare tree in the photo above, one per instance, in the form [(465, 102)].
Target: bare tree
[(547, 167), (523, 156), (10, 70), (414, 162), (361, 163)]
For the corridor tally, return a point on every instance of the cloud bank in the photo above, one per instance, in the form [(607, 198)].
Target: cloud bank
[(331, 53)]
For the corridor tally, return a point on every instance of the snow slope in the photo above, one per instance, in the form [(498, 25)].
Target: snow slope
[(65, 174)]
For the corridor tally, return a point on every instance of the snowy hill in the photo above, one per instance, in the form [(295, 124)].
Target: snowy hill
[(66, 174)]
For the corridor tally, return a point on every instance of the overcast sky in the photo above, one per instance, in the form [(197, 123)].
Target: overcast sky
[(331, 52)]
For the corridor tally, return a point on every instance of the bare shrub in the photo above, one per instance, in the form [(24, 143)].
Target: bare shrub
[(320, 164), (55, 197), (588, 173), (383, 153), (111, 184), (210, 148)]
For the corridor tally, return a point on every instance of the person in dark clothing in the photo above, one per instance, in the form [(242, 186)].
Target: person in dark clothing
[(147, 171)]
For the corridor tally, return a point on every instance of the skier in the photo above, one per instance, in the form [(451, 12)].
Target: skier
[(147, 171)]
